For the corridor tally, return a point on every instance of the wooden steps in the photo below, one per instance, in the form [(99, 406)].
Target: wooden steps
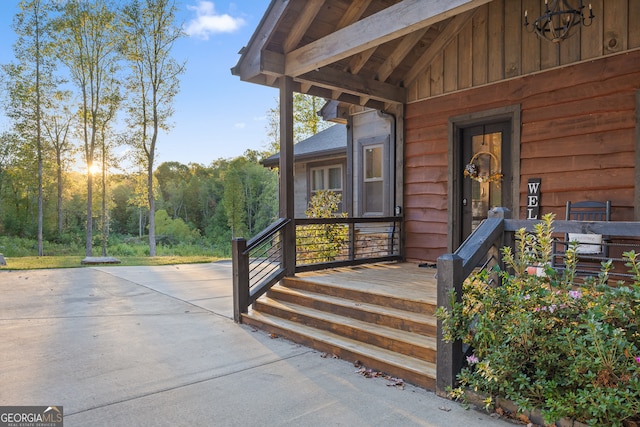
[(382, 327)]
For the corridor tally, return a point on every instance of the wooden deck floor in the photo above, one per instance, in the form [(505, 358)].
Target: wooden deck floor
[(394, 279)]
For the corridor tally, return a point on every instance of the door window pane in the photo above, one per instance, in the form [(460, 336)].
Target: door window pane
[(373, 196), (486, 195), (373, 190), (373, 162)]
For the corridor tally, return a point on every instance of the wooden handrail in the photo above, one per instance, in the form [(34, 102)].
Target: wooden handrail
[(267, 233), (259, 263)]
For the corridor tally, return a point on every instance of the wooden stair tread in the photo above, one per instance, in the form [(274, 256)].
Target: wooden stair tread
[(417, 340), (388, 279), (370, 308), (417, 366), (375, 293)]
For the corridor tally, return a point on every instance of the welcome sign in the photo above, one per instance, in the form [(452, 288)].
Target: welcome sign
[(533, 198)]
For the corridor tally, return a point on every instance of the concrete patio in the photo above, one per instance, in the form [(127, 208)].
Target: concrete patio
[(156, 346)]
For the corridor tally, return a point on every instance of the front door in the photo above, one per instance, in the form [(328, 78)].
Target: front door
[(486, 173)]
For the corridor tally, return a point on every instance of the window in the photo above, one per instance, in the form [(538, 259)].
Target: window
[(373, 179), (326, 178)]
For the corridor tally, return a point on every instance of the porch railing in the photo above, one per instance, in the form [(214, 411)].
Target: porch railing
[(320, 243), (482, 249)]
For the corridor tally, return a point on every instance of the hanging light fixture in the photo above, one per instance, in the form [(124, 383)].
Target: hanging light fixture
[(559, 18)]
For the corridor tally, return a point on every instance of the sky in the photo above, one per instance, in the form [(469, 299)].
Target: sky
[(216, 114)]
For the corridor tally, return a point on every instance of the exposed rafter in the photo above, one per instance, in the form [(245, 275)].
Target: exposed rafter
[(393, 60), (355, 11), (342, 63), (391, 23), (354, 84), (312, 7)]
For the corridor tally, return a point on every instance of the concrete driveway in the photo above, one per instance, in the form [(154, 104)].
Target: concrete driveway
[(157, 346)]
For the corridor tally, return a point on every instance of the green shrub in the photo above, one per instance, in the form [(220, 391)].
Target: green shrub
[(317, 243), (548, 343)]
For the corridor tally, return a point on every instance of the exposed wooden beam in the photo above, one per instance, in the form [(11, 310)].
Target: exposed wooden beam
[(360, 59), (448, 33), (355, 11), (399, 53), (391, 23), (302, 24), (250, 63), (272, 63), (354, 84)]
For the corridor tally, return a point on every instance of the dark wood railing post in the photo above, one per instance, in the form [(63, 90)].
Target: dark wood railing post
[(240, 279), (352, 241), (449, 355), (507, 238)]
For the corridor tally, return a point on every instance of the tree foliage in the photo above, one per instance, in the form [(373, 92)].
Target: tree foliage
[(306, 121), (78, 65), (88, 47), (149, 35)]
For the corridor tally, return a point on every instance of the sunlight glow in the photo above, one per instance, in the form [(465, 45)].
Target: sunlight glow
[(95, 169)]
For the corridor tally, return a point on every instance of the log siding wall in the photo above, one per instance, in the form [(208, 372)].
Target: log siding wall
[(578, 133)]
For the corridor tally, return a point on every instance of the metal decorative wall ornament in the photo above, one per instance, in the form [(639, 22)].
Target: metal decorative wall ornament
[(472, 170), (558, 19)]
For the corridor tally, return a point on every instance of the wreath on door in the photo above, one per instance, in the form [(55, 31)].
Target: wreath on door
[(472, 170)]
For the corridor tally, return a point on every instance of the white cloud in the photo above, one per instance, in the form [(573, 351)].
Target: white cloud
[(208, 22), (240, 125)]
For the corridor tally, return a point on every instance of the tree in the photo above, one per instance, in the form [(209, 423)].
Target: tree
[(30, 83), (7, 150), (57, 123), (172, 181), (88, 47), (233, 201), (306, 121), (149, 35)]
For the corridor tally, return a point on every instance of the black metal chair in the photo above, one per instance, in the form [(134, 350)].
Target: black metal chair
[(591, 249)]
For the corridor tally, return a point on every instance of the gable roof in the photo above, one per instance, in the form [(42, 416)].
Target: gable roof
[(327, 143), (364, 52)]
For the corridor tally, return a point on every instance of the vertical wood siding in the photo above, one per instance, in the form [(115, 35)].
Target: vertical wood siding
[(578, 134), (496, 46)]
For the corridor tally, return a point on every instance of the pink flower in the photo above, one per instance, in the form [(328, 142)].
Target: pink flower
[(473, 359), (575, 294), (638, 359)]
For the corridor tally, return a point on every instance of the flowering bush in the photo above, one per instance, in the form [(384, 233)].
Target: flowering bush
[(546, 342)]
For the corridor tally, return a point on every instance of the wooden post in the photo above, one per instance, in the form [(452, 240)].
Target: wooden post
[(352, 241), (240, 279), (449, 355), (508, 239), (286, 175)]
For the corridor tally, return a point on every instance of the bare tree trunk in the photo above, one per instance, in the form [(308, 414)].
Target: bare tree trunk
[(105, 214), (89, 242), (152, 210), (59, 172)]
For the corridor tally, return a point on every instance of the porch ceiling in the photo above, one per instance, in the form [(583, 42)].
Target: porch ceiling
[(362, 52)]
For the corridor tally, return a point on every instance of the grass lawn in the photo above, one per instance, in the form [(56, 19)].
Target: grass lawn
[(35, 262)]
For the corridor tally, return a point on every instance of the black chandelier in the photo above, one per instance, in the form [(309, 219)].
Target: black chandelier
[(559, 18)]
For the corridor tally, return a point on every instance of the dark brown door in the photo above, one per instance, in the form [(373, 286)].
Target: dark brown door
[(486, 170)]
